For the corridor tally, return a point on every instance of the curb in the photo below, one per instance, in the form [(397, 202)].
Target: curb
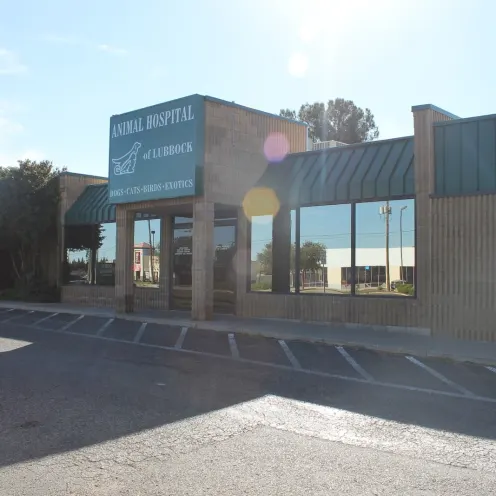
[(212, 326)]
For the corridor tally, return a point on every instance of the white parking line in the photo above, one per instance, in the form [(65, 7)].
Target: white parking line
[(16, 317), (233, 346), (354, 364), (140, 332), (289, 354), (104, 326), (289, 368), (180, 339), (69, 324), (492, 369), (439, 376), (44, 318)]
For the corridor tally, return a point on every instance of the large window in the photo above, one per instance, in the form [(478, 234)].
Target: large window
[(146, 263), (325, 249), (261, 253), (385, 248), (91, 253), (364, 249)]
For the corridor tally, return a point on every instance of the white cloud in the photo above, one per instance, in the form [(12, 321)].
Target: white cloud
[(112, 49), (10, 64)]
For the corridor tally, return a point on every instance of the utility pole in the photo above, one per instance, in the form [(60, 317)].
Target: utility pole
[(150, 254), (402, 270), (386, 211)]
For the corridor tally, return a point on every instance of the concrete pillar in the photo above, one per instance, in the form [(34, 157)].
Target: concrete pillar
[(281, 251), (166, 244), (424, 117), (124, 290), (203, 260), (242, 261)]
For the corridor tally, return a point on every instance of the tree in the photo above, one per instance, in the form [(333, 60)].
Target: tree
[(29, 200), (312, 257), (264, 258), (341, 120)]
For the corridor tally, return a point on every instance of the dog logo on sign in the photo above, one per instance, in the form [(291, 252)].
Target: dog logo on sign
[(126, 163)]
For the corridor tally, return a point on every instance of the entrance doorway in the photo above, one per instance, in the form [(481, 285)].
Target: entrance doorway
[(223, 264)]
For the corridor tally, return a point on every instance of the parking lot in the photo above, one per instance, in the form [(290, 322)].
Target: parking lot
[(432, 376)]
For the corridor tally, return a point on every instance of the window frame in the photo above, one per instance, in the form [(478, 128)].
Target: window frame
[(352, 292)]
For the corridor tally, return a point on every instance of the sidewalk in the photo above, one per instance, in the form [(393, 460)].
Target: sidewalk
[(354, 336)]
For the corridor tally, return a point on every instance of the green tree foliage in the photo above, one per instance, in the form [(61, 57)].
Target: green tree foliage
[(339, 120), (29, 199), (312, 256)]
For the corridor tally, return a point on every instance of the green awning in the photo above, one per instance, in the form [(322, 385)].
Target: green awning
[(378, 169), (93, 207)]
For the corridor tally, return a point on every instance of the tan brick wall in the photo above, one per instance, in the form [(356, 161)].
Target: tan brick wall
[(90, 296), (234, 149), (424, 186), (463, 270), (366, 310)]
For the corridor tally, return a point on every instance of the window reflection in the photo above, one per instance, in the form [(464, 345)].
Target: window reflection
[(90, 254), (325, 249), (261, 253), (385, 248), (146, 257)]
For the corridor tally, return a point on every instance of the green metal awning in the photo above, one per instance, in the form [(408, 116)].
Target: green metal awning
[(379, 169), (92, 207)]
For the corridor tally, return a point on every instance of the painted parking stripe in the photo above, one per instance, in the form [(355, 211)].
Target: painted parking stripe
[(16, 317), (140, 332), (492, 369), (45, 318), (233, 346), (180, 339), (103, 327), (289, 354), (354, 364), (439, 376), (69, 324), (289, 368)]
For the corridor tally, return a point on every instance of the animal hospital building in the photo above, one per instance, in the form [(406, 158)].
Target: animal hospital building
[(250, 219)]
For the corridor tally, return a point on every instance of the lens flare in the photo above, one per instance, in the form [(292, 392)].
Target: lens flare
[(260, 201), (276, 147)]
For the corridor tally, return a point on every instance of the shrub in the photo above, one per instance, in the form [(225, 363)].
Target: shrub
[(407, 289), (261, 286)]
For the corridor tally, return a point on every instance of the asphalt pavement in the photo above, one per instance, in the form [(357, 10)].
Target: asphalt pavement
[(93, 405)]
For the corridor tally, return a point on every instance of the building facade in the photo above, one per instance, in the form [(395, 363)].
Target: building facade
[(388, 233)]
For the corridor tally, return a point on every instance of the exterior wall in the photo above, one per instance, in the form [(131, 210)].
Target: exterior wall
[(463, 273), (423, 120), (90, 296), (234, 148), (365, 310), (71, 186)]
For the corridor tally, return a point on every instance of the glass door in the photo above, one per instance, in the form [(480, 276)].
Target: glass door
[(223, 265)]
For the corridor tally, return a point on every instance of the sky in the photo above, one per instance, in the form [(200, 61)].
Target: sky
[(66, 67)]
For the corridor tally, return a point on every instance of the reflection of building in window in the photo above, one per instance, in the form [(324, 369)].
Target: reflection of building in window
[(370, 267), (145, 262)]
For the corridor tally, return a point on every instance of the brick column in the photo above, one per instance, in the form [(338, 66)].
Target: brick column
[(203, 260), (124, 290), (242, 261), (165, 261), (423, 118)]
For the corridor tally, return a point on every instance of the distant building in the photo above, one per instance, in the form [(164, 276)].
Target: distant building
[(145, 264)]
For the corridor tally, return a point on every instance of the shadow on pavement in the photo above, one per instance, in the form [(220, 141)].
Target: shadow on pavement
[(63, 392)]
